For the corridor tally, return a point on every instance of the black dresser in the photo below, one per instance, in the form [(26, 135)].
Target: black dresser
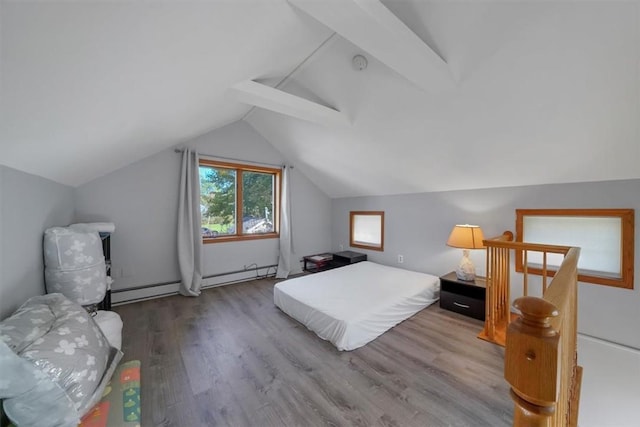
[(328, 261), (347, 257), (463, 297)]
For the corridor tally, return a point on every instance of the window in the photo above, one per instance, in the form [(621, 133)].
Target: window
[(605, 238), (238, 202), (367, 230)]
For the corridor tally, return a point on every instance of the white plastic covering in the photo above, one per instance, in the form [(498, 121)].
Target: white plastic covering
[(110, 324), (74, 264), (352, 305), (60, 339), (100, 227)]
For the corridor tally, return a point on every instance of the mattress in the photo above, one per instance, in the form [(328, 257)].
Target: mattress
[(352, 305)]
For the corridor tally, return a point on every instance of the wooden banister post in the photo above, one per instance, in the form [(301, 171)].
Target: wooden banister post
[(531, 362)]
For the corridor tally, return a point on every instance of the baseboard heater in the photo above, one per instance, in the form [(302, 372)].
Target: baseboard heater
[(159, 290)]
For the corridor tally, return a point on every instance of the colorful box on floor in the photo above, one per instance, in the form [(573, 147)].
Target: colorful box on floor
[(120, 403)]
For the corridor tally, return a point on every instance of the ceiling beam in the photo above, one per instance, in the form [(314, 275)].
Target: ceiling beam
[(263, 96), (371, 26)]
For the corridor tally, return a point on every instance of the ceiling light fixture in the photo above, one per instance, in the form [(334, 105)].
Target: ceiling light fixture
[(359, 62)]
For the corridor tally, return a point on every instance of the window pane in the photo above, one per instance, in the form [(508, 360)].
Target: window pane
[(258, 197), (217, 201), (366, 230), (600, 240), (605, 236)]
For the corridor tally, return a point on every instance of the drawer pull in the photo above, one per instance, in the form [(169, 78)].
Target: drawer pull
[(461, 305)]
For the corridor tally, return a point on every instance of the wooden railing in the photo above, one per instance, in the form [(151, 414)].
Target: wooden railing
[(541, 344), (497, 309)]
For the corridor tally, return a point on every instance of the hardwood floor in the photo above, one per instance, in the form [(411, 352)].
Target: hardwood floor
[(230, 357)]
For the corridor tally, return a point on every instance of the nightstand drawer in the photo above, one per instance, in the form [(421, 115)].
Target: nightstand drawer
[(462, 304), (468, 289)]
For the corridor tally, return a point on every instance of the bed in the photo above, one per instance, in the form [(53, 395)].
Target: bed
[(352, 305)]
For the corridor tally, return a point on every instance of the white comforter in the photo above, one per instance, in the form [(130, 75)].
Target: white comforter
[(352, 305)]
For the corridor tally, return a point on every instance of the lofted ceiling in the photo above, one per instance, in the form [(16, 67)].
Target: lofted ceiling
[(456, 94), (91, 86)]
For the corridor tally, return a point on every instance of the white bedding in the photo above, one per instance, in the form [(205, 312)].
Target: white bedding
[(350, 306)]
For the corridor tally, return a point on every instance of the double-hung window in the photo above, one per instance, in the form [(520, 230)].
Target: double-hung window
[(238, 202)]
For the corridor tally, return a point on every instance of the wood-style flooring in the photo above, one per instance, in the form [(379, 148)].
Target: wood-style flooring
[(230, 357)]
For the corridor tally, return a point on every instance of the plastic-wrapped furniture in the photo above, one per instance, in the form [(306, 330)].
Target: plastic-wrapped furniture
[(104, 229), (55, 362), (75, 267), (74, 264)]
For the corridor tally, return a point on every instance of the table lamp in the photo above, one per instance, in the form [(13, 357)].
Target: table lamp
[(466, 237)]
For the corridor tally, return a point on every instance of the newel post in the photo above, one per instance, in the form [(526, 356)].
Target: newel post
[(531, 362)]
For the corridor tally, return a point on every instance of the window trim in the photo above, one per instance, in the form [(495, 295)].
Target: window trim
[(353, 243), (627, 242), (239, 168)]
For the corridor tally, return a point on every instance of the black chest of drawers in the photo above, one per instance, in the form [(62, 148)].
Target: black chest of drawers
[(463, 297)]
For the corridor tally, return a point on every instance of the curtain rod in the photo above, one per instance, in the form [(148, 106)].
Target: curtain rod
[(179, 150)]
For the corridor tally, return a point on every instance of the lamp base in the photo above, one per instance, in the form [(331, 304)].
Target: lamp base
[(466, 270)]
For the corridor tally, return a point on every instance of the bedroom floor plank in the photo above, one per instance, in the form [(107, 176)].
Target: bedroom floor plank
[(230, 357), (268, 349)]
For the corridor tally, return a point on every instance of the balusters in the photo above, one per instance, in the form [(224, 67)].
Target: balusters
[(491, 297), (506, 297), (525, 283), (544, 272)]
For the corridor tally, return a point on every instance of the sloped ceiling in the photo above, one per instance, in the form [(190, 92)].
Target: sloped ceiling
[(545, 92), (89, 87)]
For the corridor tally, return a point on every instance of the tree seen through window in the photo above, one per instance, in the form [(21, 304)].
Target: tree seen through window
[(226, 189)]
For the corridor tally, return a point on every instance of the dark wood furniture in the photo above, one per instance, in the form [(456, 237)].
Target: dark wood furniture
[(318, 262), (327, 261), (463, 297), (348, 257), (105, 304)]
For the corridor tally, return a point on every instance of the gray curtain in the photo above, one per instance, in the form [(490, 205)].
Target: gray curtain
[(189, 226), (286, 261)]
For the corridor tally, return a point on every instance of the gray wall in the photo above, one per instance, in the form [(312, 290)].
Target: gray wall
[(141, 199), (417, 226), (28, 205)]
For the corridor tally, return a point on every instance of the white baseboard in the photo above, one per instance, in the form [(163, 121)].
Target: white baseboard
[(135, 295), (167, 289)]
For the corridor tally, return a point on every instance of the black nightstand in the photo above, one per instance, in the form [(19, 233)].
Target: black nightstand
[(348, 257), (319, 262), (322, 262), (463, 297)]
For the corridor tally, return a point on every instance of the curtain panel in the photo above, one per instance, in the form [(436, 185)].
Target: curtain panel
[(189, 224)]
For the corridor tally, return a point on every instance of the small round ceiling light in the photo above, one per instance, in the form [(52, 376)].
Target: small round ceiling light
[(359, 62)]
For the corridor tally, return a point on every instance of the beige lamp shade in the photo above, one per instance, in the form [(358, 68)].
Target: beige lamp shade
[(466, 237)]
